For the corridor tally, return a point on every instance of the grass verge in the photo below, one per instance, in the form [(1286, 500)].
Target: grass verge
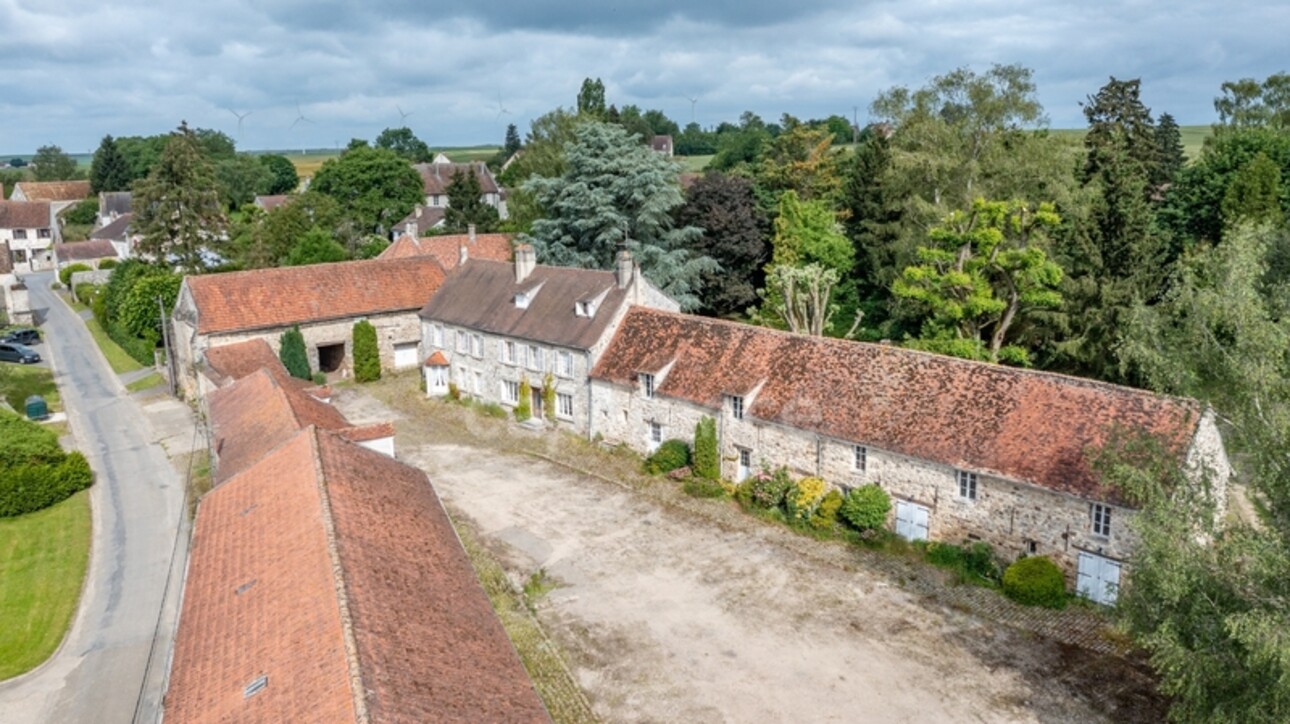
[(199, 479), (18, 382), (43, 556), (551, 677), (116, 357), (146, 383)]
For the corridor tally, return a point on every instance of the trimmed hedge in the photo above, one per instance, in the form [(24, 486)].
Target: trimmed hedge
[(669, 456), (65, 274), (1035, 581), (866, 507), (34, 472), (367, 358), (707, 463), (294, 356)]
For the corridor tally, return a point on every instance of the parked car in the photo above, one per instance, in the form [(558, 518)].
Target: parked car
[(22, 336), (14, 352)]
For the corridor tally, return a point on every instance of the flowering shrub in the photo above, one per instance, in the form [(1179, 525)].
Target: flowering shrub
[(826, 513), (801, 500), (765, 489)]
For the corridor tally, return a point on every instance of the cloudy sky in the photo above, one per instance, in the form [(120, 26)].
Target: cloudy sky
[(73, 70)]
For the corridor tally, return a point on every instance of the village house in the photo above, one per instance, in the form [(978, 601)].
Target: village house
[(451, 249), (90, 253), (119, 234), (662, 144), (28, 228), (325, 582), (15, 305), (438, 174), (271, 202), (58, 194), (493, 325), (421, 218), (324, 300), (968, 451), (113, 205)]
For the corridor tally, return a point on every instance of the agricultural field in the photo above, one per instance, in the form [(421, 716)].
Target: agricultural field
[(308, 163), (1193, 137)]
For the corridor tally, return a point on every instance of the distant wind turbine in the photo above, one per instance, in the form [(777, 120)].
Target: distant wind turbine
[(300, 116), (240, 116), (693, 102), (501, 109), (402, 116)]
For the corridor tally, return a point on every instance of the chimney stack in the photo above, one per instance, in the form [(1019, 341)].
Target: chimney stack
[(525, 260), (411, 229), (470, 231), (626, 268), (462, 254)]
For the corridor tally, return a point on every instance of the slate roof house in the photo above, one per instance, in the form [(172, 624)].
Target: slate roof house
[(29, 229), (325, 583), (90, 252), (421, 218), (119, 234), (325, 300), (438, 174), (113, 205), (967, 450), (493, 325), (451, 249)]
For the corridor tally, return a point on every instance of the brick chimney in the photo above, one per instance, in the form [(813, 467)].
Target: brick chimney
[(525, 260), (625, 268)]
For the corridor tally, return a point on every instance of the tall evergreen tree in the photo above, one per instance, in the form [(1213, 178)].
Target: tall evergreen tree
[(512, 143), (873, 215), (466, 204), (108, 170), (1255, 194), (1170, 149), (177, 208), (1119, 124), (294, 355)]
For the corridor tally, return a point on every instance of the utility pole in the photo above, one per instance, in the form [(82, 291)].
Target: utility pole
[(855, 124), (167, 348)]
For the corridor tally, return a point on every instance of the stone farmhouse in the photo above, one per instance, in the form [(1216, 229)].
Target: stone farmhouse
[(91, 253), (28, 229), (58, 194), (113, 205), (438, 174), (119, 234), (325, 582), (421, 218), (493, 325), (451, 249), (325, 300), (968, 451)]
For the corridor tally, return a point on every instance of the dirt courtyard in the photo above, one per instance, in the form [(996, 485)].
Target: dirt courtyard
[(665, 615)]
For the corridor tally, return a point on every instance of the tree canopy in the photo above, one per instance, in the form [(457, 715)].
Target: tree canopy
[(405, 143), (177, 208), (375, 186), (52, 164), (108, 170)]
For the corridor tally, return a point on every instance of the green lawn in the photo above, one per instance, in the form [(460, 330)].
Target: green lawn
[(1193, 137), (43, 557), (18, 382), (146, 383), (694, 164), (116, 357)]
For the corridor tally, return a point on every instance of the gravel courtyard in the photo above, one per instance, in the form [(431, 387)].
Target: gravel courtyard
[(666, 614)]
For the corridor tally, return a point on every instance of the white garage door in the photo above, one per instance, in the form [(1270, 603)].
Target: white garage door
[(405, 355), (1098, 579), (911, 520)]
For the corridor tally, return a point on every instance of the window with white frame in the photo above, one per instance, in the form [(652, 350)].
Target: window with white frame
[(438, 378), (1101, 520), (647, 385), (19, 234), (508, 352), (42, 233), (510, 392), (479, 383), (436, 335), (477, 346), (564, 363), (967, 485), (564, 405), (655, 435), (737, 407), (859, 458), (745, 465), (463, 342), (535, 358)]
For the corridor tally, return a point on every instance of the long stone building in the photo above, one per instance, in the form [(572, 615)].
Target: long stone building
[(968, 451)]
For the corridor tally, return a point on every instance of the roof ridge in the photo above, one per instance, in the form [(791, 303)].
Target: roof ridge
[(352, 661), (896, 349), (375, 261)]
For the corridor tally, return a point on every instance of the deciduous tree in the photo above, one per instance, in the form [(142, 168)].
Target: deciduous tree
[(177, 208), (375, 187), (315, 247), (51, 164), (591, 99), (283, 176), (735, 231), (405, 143)]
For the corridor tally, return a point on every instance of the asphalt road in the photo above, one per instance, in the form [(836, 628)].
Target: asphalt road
[(137, 500)]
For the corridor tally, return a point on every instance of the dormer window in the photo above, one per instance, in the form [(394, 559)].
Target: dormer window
[(647, 386), (522, 300), (737, 407), (584, 309)]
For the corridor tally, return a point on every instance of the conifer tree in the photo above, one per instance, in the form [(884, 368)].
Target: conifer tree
[(108, 170), (178, 210), (466, 204), (292, 352), (367, 357)]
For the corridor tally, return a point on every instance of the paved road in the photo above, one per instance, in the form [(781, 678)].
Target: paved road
[(137, 501)]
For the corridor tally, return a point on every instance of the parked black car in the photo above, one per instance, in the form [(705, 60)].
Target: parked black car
[(14, 352), (22, 336)]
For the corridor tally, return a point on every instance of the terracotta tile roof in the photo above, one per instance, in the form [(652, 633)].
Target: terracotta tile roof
[(437, 359), (447, 248), (257, 413), (481, 295), (260, 600), (24, 214), (324, 529), (269, 298), (1018, 424), (53, 190), (429, 645), (438, 175), (228, 363), (85, 250), (269, 203), (116, 230), (363, 433)]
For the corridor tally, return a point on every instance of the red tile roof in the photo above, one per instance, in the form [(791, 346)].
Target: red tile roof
[(340, 544), (269, 203), (1018, 424), (437, 359), (53, 190), (256, 414), (85, 250), (269, 298), (24, 214), (364, 433), (231, 362), (260, 600), (447, 248)]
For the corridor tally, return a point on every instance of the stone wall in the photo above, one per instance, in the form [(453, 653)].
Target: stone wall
[(96, 276), (391, 329), (1014, 517), (17, 305)]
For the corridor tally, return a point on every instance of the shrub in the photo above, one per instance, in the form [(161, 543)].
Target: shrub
[(826, 513), (765, 489), (454, 392), (866, 507), (801, 500), (1035, 581), (707, 463), (548, 397), (703, 488), (492, 409), (106, 264), (367, 358), (319, 378), (524, 408), (86, 293), (669, 456), (65, 274), (291, 351), (34, 472)]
